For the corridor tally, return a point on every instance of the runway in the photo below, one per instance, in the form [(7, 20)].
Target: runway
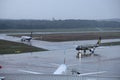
[(16, 66)]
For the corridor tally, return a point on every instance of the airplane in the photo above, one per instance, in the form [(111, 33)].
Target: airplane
[(26, 38), (91, 48), (62, 69)]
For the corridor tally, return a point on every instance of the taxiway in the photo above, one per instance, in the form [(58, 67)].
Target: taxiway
[(46, 62)]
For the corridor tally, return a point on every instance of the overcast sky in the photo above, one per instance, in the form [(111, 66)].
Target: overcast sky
[(59, 9)]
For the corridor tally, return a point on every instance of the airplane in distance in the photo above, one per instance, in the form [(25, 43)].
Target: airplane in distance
[(91, 47), (26, 38)]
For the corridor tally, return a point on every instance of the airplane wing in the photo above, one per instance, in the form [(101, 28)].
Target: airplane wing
[(60, 70), (91, 73), (31, 72)]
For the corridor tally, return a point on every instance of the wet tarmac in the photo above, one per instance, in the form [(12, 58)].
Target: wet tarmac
[(45, 63)]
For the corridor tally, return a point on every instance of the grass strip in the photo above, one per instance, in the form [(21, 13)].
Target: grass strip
[(8, 47)]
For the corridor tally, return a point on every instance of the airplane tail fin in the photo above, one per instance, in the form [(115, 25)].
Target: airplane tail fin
[(62, 68), (99, 41)]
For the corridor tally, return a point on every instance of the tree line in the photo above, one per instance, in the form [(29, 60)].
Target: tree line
[(55, 24)]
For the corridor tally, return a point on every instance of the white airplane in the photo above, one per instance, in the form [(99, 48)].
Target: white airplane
[(26, 38), (62, 70)]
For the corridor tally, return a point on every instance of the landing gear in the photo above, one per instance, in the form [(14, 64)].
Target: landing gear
[(92, 51), (79, 54), (82, 53)]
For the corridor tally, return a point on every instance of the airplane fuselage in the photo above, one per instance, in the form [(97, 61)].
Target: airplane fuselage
[(86, 47), (26, 38)]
